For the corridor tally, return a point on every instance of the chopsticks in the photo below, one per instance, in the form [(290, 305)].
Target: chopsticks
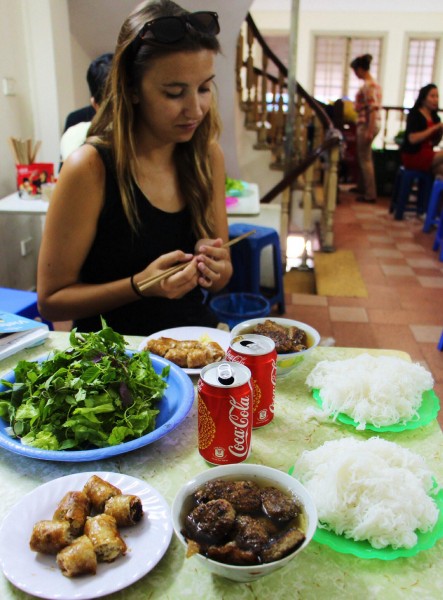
[(24, 151), (146, 283)]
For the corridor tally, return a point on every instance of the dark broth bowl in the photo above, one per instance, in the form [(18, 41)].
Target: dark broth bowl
[(262, 475), (287, 361)]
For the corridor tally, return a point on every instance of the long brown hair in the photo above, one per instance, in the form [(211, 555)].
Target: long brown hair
[(113, 125)]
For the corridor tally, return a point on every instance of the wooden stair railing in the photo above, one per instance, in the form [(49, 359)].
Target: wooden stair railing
[(263, 96)]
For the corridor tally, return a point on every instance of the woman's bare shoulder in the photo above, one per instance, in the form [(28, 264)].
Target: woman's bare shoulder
[(84, 162), (82, 177)]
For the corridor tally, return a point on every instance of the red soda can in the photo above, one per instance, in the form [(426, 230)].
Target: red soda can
[(258, 353), (224, 413)]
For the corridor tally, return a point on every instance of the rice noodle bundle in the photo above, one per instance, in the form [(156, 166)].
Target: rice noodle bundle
[(381, 390), (370, 490)]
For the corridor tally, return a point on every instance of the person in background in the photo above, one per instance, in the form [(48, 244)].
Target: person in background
[(424, 131), (97, 74), (147, 190), (84, 114), (367, 105)]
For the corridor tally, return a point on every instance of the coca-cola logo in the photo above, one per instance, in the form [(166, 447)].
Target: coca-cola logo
[(240, 417), (274, 381), (235, 358)]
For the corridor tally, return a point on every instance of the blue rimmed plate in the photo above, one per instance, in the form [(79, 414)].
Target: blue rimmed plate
[(174, 406)]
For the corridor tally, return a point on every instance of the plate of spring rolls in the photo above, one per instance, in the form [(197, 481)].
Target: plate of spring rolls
[(84, 535), (190, 348)]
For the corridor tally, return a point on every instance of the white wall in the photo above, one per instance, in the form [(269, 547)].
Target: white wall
[(16, 118), (395, 27)]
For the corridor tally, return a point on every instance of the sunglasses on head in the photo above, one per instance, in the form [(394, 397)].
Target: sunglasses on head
[(168, 30)]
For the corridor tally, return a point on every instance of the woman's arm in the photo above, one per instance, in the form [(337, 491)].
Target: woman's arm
[(69, 232), (213, 261), (417, 130), (418, 137)]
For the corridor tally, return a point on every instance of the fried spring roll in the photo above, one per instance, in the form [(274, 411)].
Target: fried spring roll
[(105, 537), (49, 537), (126, 509), (74, 508), (99, 491), (78, 558)]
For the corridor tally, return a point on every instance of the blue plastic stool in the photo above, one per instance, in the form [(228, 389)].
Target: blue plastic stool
[(403, 189), (440, 343), (246, 262), (432, 214), (20, 302), (438, 242)]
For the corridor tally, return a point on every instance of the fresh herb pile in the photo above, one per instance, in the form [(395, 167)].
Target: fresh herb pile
[(91, 395)]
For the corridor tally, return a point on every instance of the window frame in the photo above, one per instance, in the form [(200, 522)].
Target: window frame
[(428, 36), (360, 35)]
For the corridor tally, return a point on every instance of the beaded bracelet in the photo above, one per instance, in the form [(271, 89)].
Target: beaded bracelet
[(135, 287)]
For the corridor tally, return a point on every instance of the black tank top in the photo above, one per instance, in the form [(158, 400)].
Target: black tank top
[(118, 252)]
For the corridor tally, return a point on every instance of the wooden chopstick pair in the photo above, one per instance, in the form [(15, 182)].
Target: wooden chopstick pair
[(146, 283), (23, 151)]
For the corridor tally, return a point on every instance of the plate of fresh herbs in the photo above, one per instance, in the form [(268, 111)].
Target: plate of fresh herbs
[(91, 401)]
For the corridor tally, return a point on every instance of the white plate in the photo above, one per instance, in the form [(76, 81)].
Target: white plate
[(192, 333), (38, 574)]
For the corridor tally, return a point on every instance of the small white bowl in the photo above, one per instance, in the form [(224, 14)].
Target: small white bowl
[(285, 362), (263, 476)]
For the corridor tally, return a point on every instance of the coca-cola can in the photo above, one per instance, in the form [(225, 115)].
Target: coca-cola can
[(224, 413), (257, 352)]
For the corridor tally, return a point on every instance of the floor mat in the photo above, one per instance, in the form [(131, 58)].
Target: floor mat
[(337, 274), (299, 282)]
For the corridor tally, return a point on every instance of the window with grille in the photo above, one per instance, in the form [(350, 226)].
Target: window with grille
[(420, 68), (333, 77)]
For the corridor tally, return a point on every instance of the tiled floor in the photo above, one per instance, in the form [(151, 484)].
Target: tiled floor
[(404, 279)]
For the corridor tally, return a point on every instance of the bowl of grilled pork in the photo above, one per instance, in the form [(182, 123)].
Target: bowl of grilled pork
[(293, 340), (243, 521)]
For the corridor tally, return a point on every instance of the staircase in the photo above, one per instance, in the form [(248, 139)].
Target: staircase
[(298, 141)]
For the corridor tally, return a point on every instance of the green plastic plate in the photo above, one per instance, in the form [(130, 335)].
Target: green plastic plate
[(363, 549), (427, 412)]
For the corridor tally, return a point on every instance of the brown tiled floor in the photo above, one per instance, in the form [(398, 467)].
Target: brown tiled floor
[(404, 279)]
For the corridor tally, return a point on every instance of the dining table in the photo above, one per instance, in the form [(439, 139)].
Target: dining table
[(318, 572)]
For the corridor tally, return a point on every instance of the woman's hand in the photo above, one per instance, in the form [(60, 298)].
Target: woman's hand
[(176, 285), (213, 263)]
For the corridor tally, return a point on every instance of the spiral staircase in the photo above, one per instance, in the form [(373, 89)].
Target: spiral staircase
[(305, 150)]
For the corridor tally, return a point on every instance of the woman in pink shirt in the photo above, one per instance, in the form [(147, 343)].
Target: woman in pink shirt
[(367, 105)]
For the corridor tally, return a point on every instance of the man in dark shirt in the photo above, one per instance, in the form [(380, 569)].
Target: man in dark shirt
[(95, 78), (79, 116)]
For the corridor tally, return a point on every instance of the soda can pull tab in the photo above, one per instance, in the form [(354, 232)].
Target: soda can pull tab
[(225, 376), (255, 346)]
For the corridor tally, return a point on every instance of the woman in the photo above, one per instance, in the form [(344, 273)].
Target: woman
[(147, 191), (367, 105), (424, 130)]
